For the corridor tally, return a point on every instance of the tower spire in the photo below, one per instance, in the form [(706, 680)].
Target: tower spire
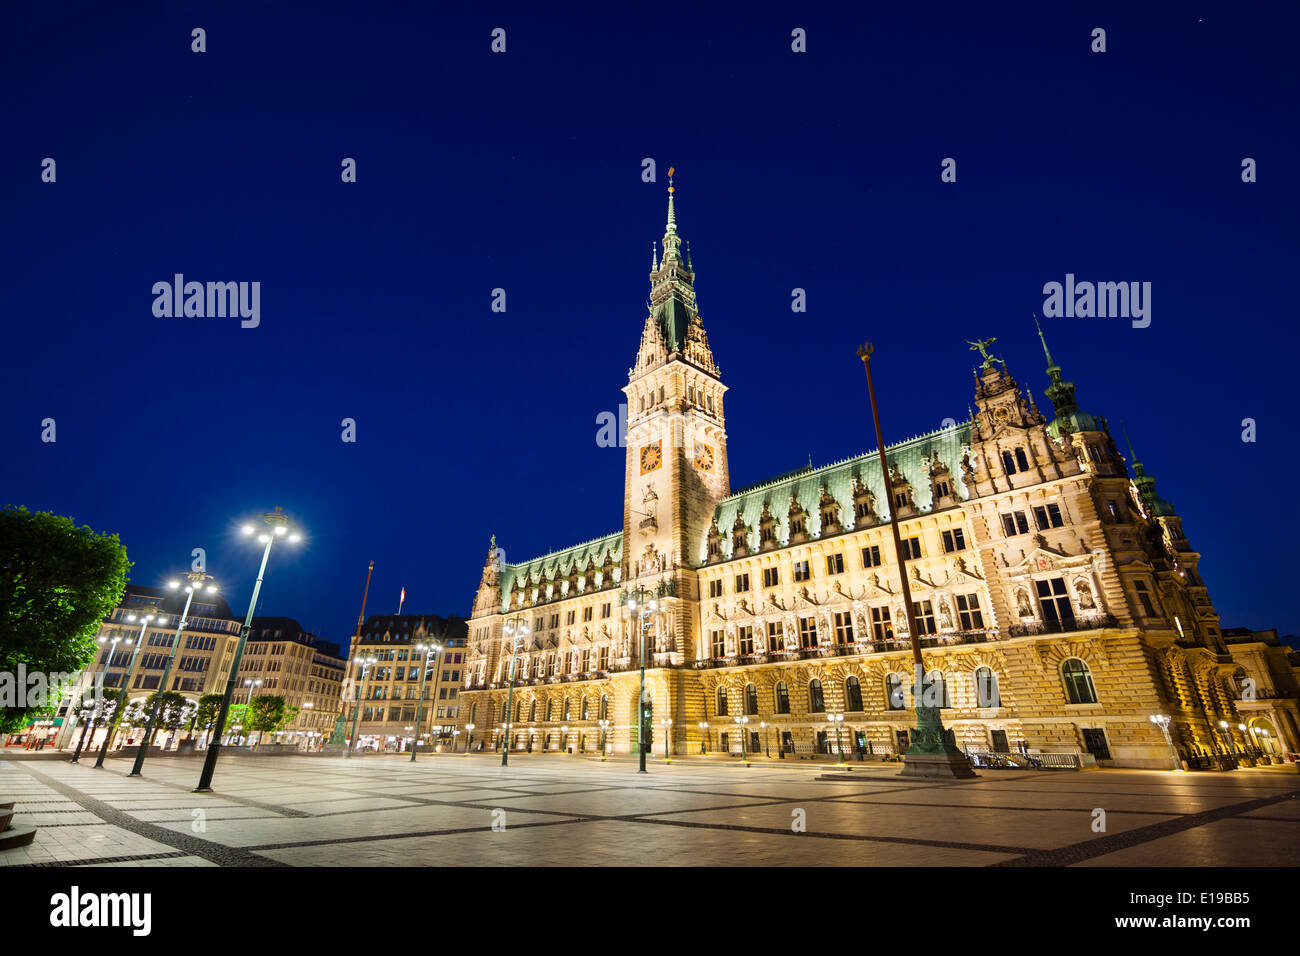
[(654, 257), (671, 229)]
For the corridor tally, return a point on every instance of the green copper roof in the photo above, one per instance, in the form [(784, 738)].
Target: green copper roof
[(1068, 418), (595, 550), (805, 485)]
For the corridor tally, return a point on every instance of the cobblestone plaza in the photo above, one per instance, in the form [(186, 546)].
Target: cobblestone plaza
[(559, 810)]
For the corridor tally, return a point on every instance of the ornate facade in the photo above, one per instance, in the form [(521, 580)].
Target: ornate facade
[(1058, 599)]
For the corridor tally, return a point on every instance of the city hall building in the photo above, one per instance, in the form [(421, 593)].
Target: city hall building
[(1057, 599)]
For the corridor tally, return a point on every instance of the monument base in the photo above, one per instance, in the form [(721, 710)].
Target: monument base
[(949, 766)]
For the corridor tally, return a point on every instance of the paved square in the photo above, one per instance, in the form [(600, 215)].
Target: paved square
[(559, 810)]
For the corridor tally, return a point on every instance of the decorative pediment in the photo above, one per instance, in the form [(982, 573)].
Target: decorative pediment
[(772, 603), (804, 599), (1045, 558)]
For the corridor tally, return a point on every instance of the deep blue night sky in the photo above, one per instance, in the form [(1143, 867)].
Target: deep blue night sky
[(522, 171)]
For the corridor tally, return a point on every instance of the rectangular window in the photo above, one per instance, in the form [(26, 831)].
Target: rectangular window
[(604, 610), (771, 577), (775, 636), (834, 564), (742, 583), (801, 571), (881, 627), (718, 642), (586, 614), (1144, 598), (924, 617), (745, 636), (570, 617), (911, 548), (844, 628), (1014, 524), (1047, 516), (954, 540), (968, 610), (1053, 598), (807, 632), (871, 556), (715, 588)]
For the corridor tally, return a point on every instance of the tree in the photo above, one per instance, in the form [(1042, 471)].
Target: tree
[(206, 713), (267, 714), (174, 710), (57, 584)]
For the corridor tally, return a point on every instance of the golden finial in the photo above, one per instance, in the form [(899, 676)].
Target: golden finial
[(670, 179)]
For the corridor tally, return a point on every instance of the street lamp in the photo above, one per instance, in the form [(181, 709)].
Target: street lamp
[(668, 724), (198, 582), (515, 629), (641, 601), (430, 652), (1162, 721), (469, 736), (365, 663), (704, 731), (740, 726), (111, 726), (836, 720), (603, 725), (278, 526), (248, 716)]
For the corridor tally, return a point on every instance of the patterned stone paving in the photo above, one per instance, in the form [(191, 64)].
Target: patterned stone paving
[(567, 811)]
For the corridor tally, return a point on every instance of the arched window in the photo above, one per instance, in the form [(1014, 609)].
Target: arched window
[(473, 709), (894, 692), (934, 691), (816, 702), (986, 688), (586, 708), (1021, 461), (519, 707), (532, 711), (722, 702), (782, 695), (751, 699), (550, 710), (853, 694), (566, 709), (1079, 688), (604, 707)]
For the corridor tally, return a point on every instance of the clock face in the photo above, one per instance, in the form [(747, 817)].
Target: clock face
[(651, 458), (704, 457), (1002, 413)]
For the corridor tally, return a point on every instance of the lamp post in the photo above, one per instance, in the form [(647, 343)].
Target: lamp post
[(740, 726), (640, 600), (515, 629), (604, 724), (430, 652), (111, 725), (469, 736), (930, 754), (248, 709), (704, 732), (668, 725), (836, 720), (278, 526), (198, 581), (1162, 721), (365, 663), (767, 751)]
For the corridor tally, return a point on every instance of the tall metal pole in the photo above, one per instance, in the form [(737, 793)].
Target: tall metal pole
[(122, 692), (929, 738), (356, 707), (214, 746), (197, 579), (516, 627), (419, 704)]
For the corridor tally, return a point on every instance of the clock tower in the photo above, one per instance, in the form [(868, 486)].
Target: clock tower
[(676, 468)]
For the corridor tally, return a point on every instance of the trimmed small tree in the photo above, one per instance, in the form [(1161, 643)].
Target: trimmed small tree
[(206, 713), (267, 714)]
